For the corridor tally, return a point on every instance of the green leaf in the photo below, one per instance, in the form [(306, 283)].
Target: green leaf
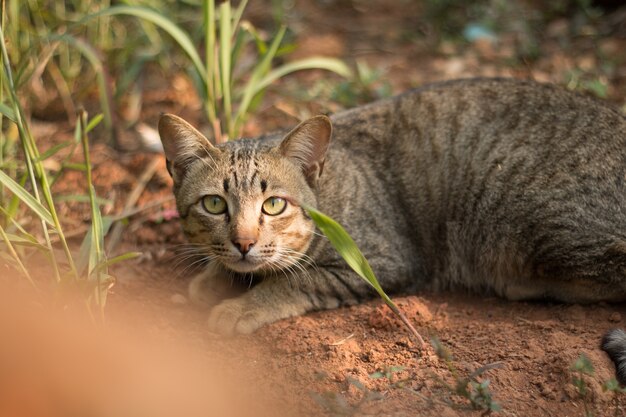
[(77, 198), (7, 112), (259, 71), (85, 248), (237, 15), (24, 196), (583, 365), (53, 150), (347, 248), (91, 55), (120, 258), (74, 166), (25, 241), (225, 63), (95, 121), (324, 63)]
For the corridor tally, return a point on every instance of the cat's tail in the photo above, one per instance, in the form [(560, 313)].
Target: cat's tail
[(614, 344)]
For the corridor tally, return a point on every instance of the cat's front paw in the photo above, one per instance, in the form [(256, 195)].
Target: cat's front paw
[(239, 316)]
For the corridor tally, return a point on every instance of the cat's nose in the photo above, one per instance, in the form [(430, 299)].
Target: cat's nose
[(244, 244)]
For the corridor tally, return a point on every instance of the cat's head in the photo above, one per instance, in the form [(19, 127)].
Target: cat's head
[(240, 202)]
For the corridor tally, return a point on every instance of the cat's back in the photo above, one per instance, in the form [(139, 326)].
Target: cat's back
[(485, 170)]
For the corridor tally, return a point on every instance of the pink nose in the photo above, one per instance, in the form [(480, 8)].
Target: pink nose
[(244, 244)]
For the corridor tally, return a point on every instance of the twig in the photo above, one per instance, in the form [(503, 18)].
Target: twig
[(342, 341), (142, 182)]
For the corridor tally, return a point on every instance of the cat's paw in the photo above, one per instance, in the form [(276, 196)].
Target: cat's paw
[(239, 316)]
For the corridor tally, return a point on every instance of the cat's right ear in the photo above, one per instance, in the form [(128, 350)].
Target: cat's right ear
[(182, 144), (307, 145)]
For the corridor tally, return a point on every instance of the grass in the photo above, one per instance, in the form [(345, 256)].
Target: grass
[(229, 89), (29, 220), (582, 369)]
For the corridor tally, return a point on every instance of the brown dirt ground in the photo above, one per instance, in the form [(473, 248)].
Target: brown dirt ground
[(309, 365)]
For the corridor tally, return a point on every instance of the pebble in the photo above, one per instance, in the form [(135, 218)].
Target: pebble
[(178, 299), (615, 317)]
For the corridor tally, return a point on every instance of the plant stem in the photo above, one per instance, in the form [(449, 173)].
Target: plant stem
[(225, 64), (208, 8), (35, 167)]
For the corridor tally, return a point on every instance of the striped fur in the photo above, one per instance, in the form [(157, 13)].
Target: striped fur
[(496, 186), (614, 344)]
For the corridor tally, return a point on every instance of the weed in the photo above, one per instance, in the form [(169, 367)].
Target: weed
[(582, 368), (37, 229), (229, 88), (337, 404), (389, 372), (613, 386), (471, 387)]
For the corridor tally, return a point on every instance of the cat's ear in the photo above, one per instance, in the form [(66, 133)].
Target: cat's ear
[(307, 145), (182, 144)]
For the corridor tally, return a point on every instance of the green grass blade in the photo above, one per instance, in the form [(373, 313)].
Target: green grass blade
[(96, 248), (78, 198), (208, 9), (324, 63), (260, 70), (225, 23), (92, 57), (84, 252), (237, 15), (95, 121), (7, 112), (96, 256), (347, 248), (162, 22), (40, 210), (53, 151), (16, 257), (24, 241), (261, 45), (120, 258), (349, 251)]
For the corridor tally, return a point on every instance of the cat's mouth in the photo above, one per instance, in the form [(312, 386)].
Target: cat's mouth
[(245, 264)]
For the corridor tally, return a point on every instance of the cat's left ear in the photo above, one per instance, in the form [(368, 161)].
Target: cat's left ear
[(307, 145), (182, 144)]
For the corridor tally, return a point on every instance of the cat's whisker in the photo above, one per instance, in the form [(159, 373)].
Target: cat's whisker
[(198, 264)]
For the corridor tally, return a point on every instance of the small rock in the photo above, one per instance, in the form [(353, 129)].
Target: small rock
[(615, 317), (179, 299)]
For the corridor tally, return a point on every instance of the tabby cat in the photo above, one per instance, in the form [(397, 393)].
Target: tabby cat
[(491, 185)]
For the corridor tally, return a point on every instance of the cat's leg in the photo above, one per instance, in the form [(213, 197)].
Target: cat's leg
[(282, 296), (210, 286)]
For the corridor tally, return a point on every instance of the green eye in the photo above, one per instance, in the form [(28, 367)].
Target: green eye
[(274, 206), (214, 204)]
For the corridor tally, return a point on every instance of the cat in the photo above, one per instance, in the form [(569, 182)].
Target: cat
[(497, 186)]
